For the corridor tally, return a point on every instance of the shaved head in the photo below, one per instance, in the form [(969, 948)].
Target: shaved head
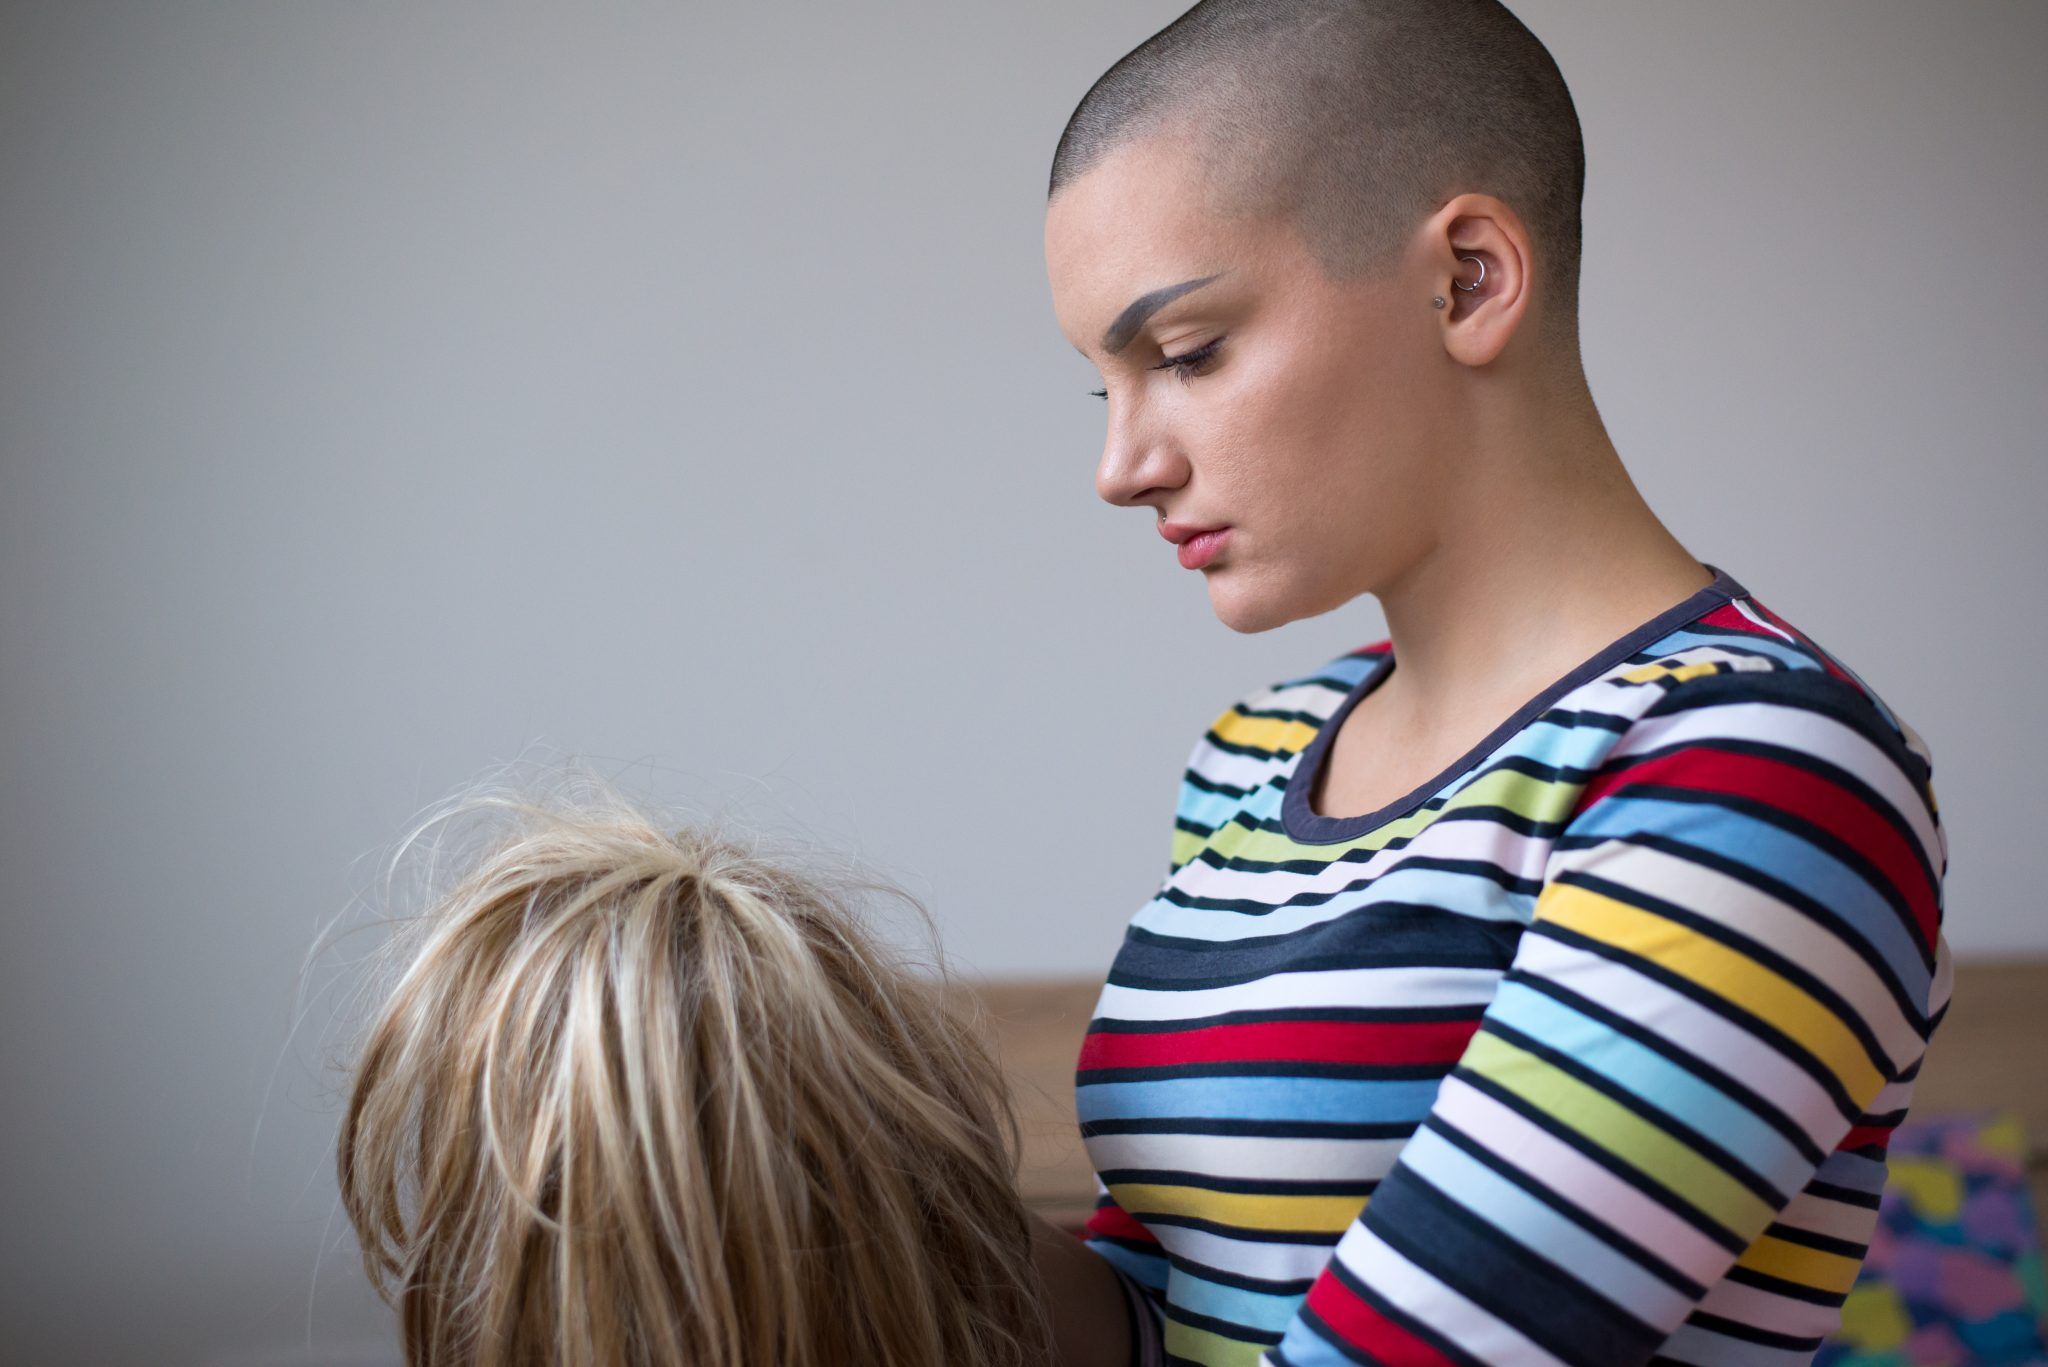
[(1353, 120)]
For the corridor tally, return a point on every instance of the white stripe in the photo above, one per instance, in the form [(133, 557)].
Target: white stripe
[(1225, 768), (1583, 1183), (1747, 611), (1246, 1257), (1463, 1321), (1944, 983), (1836, 1219), (1330, 989), (1704, 1348), (1769, 1311), (1247, 1155)]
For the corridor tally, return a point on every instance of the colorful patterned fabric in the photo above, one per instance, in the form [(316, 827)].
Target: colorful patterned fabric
[(1953, 1277), (1585, 1051)]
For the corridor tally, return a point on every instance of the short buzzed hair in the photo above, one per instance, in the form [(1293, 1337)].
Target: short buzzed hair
[(1354, 120)]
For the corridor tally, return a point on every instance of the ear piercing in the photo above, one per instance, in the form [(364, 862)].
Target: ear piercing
[(1437, 300)]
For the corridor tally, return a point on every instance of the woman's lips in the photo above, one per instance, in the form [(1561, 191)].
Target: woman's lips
[(1200, 548)]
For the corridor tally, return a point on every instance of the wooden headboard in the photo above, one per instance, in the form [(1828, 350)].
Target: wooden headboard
[(1990, 1054)]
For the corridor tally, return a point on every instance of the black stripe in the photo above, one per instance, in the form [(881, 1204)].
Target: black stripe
[(1227, 1328), (1210, 785), (1231, 747), (1778, 1286), (1291, 1287), (1281, 714), (1137, 1246), (1564, 1208), (1278, 1129), (1254, 1186), (1848, 1196), (1230, 1231), (1749, 1333), (1825, 1243), (1378, 934), (1119, 978), (1111, 1025), (1469, 1255)]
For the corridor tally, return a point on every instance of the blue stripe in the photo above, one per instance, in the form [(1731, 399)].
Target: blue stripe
[(1259, 1098)]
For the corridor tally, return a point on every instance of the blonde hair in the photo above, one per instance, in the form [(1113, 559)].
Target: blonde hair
[(643, 1094)]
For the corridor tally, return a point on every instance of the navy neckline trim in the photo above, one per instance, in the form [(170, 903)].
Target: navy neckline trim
[(1306, 827)]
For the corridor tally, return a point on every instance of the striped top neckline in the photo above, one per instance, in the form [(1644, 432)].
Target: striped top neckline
[(1303, 825)]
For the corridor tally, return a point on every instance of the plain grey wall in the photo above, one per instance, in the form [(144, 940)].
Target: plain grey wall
[(394, 389)]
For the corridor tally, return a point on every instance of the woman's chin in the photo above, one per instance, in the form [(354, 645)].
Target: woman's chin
[(1245, 605)]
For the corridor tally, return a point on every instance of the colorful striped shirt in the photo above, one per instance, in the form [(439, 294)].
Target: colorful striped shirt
[(1587, 1050)]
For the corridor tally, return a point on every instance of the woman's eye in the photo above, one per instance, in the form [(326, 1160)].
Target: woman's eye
[(1187, 365)]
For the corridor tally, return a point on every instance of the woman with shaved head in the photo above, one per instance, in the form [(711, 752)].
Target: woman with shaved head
[(1540, 983)]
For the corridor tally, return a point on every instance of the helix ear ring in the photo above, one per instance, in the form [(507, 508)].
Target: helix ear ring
[(1476, 283)]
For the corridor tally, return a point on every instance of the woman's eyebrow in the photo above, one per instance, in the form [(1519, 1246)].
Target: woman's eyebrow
[(1144, 306)]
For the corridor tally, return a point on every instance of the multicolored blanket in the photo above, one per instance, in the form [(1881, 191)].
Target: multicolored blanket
[(1954, 1276)]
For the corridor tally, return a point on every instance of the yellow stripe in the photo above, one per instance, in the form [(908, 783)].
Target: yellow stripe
[(1210, 1349), (1645, 673), (1734, 977), (1671, 1163), (1262, 733), (1775, 1257), (1241, 1210)]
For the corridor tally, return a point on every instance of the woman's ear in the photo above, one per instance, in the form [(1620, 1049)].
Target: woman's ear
[(1486, 258)]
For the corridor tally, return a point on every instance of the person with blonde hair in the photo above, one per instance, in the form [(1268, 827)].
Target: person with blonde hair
[(642, 1093)]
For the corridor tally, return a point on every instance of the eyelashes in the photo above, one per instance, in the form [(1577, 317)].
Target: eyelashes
[(1186, 365)]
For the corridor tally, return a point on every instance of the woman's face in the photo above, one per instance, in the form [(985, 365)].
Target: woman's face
[(1310, 423)]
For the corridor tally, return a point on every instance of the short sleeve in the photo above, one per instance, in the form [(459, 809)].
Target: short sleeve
[(1729, 971)]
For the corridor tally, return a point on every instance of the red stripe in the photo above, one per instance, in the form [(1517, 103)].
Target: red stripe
[(1728, 617), (1364, 1327), (1381, 1042), (1826, 659), (1796, 791), (1114, 1221), (1863, 1136)]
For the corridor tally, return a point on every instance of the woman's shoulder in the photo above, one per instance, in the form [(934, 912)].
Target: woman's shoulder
[(1746, 657), (1277, 717)]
